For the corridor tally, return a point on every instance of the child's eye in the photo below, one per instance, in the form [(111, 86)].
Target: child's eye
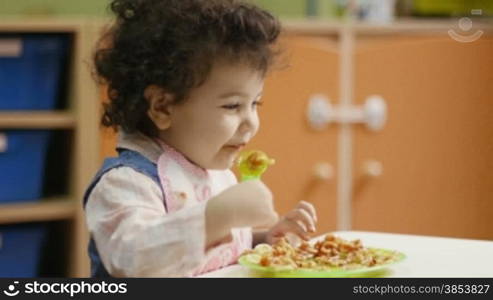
[(238, 106), (231, 106)]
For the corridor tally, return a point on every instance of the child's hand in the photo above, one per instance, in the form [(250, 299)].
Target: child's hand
[(247, 204), (299, 221), (251, 205)]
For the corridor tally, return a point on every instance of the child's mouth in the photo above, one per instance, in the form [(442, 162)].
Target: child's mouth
[(236, 147)]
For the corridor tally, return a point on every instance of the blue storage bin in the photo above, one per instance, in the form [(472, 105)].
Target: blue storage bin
[(30, 70), (22, 164), (21, 249)]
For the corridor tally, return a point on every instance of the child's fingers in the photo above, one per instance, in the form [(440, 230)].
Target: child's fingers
[(297, 228), (303, 217), (308, 207)]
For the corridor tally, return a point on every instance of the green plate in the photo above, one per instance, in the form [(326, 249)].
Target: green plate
[(279, 272)]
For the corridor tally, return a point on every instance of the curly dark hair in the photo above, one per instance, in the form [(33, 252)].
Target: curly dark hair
[(174, 44)]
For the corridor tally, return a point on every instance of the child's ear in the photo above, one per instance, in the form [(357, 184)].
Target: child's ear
[(160, 105)]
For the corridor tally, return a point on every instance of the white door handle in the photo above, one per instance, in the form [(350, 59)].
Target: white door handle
[(373, 113)]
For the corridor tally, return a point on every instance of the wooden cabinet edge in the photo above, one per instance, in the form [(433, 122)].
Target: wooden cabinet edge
[(36, 120), (44, 210)]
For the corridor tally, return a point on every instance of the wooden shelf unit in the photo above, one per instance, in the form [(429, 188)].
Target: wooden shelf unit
[(81, 118), (430, 184)]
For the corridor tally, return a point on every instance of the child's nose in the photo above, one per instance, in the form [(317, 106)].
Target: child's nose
[(249, 122)]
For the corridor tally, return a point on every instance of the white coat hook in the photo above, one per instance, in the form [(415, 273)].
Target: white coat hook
[(373, 113), (323, 171), (372, 168)]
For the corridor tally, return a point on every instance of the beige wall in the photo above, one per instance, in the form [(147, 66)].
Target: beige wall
[(53, 7), (288, 8)]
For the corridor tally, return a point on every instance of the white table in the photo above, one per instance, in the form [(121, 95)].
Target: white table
[(426, 256)]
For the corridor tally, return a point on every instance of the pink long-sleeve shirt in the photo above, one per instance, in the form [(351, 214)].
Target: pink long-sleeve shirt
[(134, 234)]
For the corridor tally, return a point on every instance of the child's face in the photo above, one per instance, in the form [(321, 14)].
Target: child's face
[(219, 118)]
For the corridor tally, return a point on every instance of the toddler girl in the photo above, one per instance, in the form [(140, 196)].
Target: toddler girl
[(184, 78)]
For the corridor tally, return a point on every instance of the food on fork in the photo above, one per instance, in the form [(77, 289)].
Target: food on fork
[(252, 164)]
